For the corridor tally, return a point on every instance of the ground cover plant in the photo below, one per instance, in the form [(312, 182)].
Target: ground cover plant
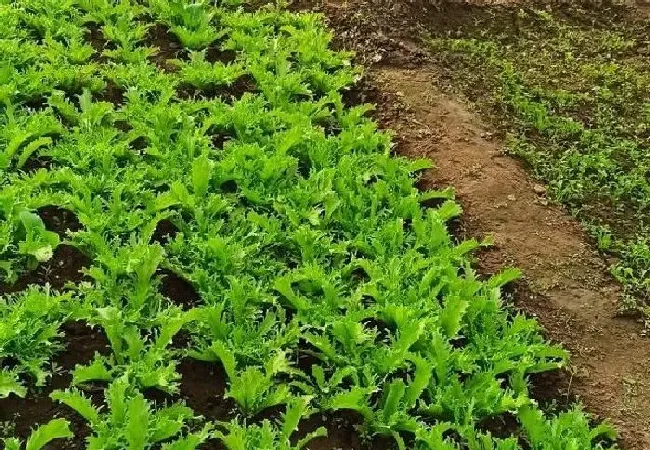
[(205, 246), (569, 84)]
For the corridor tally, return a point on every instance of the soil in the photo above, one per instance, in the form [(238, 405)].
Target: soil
[(342, 433), (178, 290), (203, 387), (67, 262), (168, 47), (228, 93), (36, 162), (164, 232), (64, 267), (59, 220), (112, 93), (95, 36), (566, 283), (215, 53)]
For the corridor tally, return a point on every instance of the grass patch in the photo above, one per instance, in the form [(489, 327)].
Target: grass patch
[(570, 86)]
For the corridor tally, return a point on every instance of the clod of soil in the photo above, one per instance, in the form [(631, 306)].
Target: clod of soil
[(168, 47), (111, 94), (36, 162), (215, 53), (59, 220), (164, 232), (219, 140), (95, 37), (178, 290), (203, 387), (502, 426)]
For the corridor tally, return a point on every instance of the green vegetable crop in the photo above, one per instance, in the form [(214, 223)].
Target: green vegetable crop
[(233, 209)]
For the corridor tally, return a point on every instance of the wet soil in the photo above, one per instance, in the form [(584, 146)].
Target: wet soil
[(204, 387), (67, 261), (112, 93), (164, 232), (566, 283), (95, 37)]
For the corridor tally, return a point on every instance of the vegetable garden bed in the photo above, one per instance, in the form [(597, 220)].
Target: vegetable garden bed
[(204, 245)]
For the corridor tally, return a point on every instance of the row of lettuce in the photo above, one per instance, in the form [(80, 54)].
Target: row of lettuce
[(325, 286)]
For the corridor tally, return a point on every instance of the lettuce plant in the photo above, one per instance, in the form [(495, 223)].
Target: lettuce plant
[(30, 335), (130, 421), (41, 436), (241, 436)]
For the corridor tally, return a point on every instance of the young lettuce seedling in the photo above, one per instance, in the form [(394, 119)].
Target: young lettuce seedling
[(41, 436)]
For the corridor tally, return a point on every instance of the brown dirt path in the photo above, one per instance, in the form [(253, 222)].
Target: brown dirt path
[(566, 283)]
